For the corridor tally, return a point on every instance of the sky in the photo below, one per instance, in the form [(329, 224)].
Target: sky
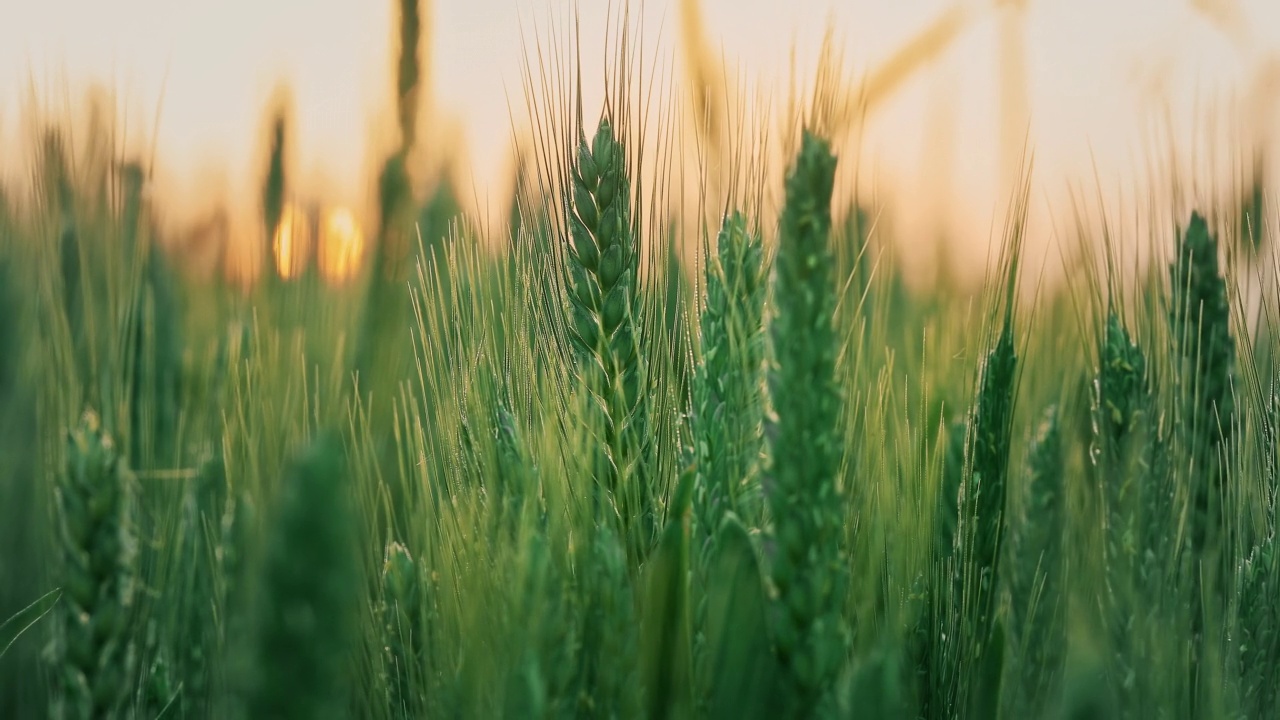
[(196, 78)]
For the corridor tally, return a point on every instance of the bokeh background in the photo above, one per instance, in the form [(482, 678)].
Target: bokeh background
[(1104, 88)]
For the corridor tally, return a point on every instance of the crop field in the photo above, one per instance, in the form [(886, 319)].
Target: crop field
[(628, 454)]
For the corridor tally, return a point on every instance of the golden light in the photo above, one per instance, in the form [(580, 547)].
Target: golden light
[(341, 245), (292, 245)]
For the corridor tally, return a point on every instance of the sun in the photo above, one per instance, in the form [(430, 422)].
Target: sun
[(292, 244), (341, 245)]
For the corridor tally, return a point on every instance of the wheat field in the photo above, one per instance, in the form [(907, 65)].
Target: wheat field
[(627, 453)]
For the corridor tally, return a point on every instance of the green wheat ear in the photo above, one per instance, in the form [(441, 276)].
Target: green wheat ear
[(402, 631), (1119, 452), (1201, 325), (1120, 392), (310, 584), (1121, 407), (804, 447), (515, 476), (92, 662), (1257, 643), (727, 403), (727, 383), (604, 298), (983, 501), (408, 70), (931, 645), (199, 586), (273, 184), (983, 519), (1037, 582)]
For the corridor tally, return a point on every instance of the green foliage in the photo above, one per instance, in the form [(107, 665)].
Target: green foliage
[(21, 621), (738, 671), (306, 625), (438, 215), (608, 679), (874, 687), (380, 351), (931, 647), (156, 345), (664, 628)]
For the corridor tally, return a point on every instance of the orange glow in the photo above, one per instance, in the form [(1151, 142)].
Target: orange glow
[(292, 246), (341, 245)]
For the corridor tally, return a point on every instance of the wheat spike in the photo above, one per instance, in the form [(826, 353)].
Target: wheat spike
[(604, 299), (1037, 582), (93, 501), (726, 390), (804, 444)]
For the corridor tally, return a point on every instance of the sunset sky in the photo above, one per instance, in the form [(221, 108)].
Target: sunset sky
[(1096, 72)]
